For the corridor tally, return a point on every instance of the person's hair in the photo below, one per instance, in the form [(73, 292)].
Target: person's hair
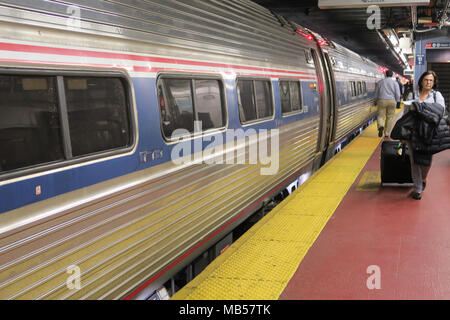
[(389, 73), (426, 73)]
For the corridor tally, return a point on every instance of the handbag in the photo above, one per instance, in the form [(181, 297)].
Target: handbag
[(404, 127)]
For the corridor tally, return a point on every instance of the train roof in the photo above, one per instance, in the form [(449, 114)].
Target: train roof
[(233, 28)]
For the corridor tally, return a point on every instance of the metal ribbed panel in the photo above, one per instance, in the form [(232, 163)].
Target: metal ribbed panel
[(219, 26), (262, 262), (122, 240), (260, 15), (352, 60), (351, 117)]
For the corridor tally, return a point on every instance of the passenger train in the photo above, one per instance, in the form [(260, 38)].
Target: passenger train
[(95, 97)]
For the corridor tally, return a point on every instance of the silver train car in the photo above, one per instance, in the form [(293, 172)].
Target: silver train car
[(96, 98)]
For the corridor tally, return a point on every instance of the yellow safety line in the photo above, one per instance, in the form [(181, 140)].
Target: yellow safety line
[(259, 265), (370, 181)]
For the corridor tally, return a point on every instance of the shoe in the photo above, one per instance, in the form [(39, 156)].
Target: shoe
[(424, 184), (416, 195), (380, 131)]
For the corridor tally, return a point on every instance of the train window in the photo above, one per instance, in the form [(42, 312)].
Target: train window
[(263, 99), (46, 119), (364, 86), (333, 61), (255, 99), (97, 113), (30, 130), (308, 56), (178, 112), (353, 88), (295, 95), (290, 96), (183, 101), (359, 88), (208, 104), (247, 110), (285, 95)]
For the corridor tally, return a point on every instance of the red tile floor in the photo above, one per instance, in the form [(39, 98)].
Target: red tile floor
[(407, 239)]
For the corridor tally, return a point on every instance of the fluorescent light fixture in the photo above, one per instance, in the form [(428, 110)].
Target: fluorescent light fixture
[(393, 40)]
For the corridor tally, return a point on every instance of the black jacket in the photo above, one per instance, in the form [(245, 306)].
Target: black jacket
[(429, 116), (426, 128)]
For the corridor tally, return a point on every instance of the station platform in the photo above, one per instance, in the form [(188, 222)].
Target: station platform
[(341, 236)]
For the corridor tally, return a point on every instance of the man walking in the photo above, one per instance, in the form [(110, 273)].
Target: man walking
[(401, 87), (387, 94)]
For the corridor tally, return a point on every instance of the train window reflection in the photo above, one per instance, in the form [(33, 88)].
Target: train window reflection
[(185, 100), (30, 131), (295, 95), (263, 99), (290, 96), (179, 107), (255, 99), (285, 97), (247, 108), (208, 104), (360, 91), (97, 113), (353, 88)]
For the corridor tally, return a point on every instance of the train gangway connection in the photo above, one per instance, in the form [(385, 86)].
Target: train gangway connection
[(341, 235)]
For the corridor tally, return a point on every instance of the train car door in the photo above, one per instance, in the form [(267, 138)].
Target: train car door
[(333, 96), (325, 103)]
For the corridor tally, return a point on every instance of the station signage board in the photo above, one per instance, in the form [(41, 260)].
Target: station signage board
[(420, 59), (408, 72), (336, 4), (437, 45)]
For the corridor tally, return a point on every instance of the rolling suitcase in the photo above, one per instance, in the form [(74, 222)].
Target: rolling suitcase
[(395, 164)]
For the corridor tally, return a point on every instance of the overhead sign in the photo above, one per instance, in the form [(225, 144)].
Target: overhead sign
[(437, 45), (408, 72), (336, 4), (420, 59)]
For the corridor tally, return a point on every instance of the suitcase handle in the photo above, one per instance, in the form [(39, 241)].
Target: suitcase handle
[(401, 149)]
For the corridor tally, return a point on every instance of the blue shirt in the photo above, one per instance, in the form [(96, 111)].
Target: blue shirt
[(387, 89)]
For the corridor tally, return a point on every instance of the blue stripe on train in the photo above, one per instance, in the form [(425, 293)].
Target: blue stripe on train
[(21, 193)]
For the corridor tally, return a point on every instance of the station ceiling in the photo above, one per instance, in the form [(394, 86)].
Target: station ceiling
[(349, 26)]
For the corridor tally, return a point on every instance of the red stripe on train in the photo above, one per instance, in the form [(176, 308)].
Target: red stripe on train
[(152, 70), (109, 55)]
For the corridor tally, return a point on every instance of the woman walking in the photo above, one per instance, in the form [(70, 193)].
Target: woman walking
[(421, 163)]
